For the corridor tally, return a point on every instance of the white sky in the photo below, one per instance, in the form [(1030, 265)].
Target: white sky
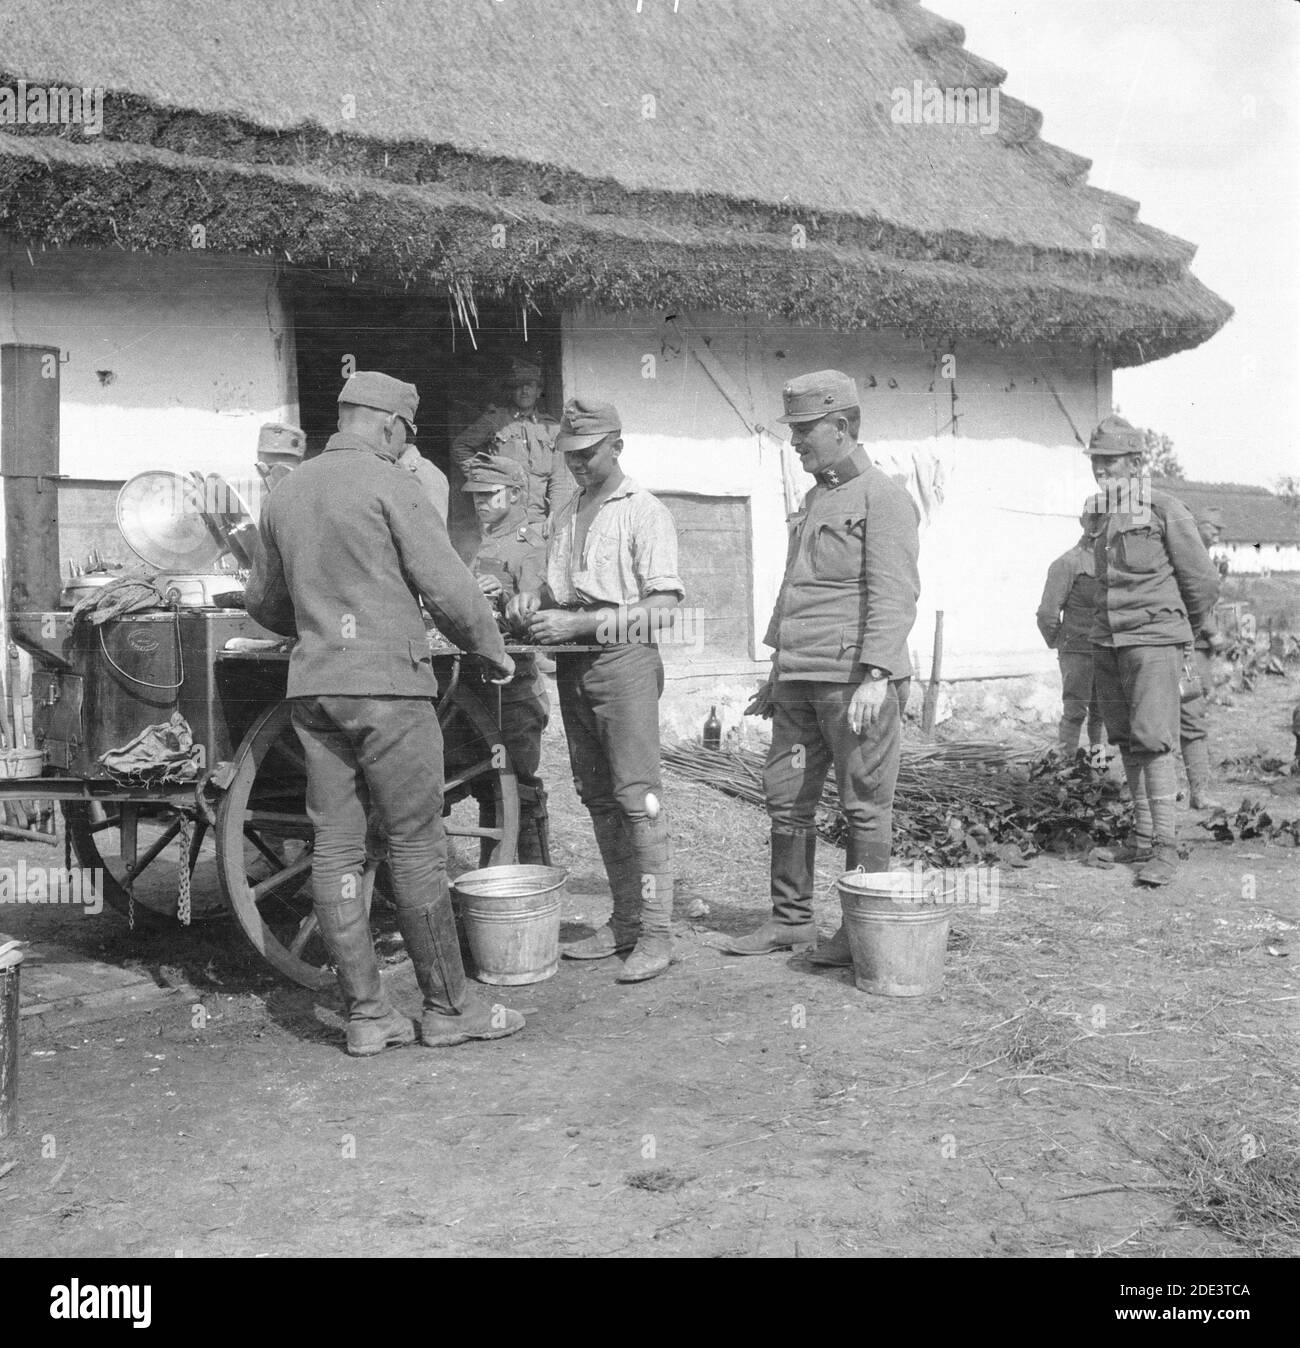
[(1159, 95)]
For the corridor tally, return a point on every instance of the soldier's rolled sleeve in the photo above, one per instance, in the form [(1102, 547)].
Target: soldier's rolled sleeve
[(445, 583), (893, 582), (1195, 572), (266, 596), (654, 550)]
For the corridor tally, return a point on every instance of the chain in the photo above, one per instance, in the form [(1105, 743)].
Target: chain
[(130, 904), (183, 896)]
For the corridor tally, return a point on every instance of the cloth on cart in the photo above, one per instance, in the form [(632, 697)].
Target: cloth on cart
[(162, 753), (128, 595)]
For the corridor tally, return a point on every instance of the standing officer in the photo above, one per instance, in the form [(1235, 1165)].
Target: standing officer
[(350, 544), (840, 672), (515, 429), (611, 572), (512, 558), (1158, 588), (1065, 619), (1194, 715)]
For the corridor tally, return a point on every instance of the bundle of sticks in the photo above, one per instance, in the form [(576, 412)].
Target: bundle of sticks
[(953, 802)]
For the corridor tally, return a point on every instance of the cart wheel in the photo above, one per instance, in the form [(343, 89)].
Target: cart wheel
[(94, 829), (264, 837), (476, 764), (264, 843)]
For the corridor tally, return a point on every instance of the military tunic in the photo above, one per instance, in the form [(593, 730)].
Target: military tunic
[(847, 603)]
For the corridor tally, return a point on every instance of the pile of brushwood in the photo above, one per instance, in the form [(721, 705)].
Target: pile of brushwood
[(955, 804)]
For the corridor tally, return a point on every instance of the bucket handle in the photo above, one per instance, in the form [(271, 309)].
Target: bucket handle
[(144, 683)]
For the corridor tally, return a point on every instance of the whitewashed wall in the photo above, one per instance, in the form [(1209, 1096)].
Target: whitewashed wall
[(1244, 559), (169, 361), (1016, 478)]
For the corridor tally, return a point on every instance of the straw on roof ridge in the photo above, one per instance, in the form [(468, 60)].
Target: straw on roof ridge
[(1250, 514), (434, 238)]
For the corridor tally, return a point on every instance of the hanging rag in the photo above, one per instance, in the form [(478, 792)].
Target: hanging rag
[(160, 753)]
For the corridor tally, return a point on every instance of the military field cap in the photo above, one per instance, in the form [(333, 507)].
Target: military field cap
[(369, 388), (487, 472), (1113, 437), (522, 372), (276, 438), (816, 395), (586, 422)]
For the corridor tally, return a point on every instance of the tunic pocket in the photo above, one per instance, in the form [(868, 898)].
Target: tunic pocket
[(1141, 550)]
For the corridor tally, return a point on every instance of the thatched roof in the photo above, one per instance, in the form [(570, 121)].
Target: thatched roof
[(469, 113), (1250, 514)]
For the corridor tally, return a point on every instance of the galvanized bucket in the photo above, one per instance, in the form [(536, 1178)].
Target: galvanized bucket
[(511, 917)]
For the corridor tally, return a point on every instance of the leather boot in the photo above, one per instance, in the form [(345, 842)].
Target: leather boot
[(620, 933), (652, 855), (530, 843), (1161, 867), (791, 926), (873, 856), (373, 1024), (1196, 759), (454, 1012)]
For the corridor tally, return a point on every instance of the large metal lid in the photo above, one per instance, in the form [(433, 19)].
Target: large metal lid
[(162, 517)]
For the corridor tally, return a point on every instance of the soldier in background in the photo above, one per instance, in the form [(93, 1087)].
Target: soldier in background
[(1064, 618), (515, 429), (511, 559)]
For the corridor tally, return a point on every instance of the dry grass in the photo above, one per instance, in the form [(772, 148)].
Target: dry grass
[(1241, 1179)]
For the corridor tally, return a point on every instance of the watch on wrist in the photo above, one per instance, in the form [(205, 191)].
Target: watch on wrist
[(876, 674)]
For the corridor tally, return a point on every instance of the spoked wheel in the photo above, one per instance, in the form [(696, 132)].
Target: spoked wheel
[(264, 841), (264, 837), (100, 835)]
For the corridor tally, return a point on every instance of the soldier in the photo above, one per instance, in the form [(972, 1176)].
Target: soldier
[(1194, 714), (840, 669), (1157, 590), (515, 429), (349, 544), (512, 558), (611, 571), (1065, 619)]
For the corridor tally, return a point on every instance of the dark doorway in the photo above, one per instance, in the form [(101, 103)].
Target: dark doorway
[(416, 338)]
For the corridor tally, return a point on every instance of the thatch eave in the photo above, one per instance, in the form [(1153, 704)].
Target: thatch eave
[(56, 193)]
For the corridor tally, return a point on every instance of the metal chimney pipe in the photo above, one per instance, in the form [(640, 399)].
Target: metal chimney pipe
[(29, 462)]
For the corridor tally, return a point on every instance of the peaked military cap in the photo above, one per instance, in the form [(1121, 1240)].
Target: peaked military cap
[(487, 472), (370, 388), (586, 422), (1115, 436), (276, 438), (817, 395)]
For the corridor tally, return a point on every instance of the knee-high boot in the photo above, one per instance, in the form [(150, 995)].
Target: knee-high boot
[(454, 1012), (652, 853), (791, 926), (620, 933), (872, 854), (372, 1023)]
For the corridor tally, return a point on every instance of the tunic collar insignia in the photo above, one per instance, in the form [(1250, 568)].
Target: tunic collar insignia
[(845, 470)]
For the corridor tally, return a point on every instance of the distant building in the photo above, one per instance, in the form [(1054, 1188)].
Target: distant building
[(1261, 531)]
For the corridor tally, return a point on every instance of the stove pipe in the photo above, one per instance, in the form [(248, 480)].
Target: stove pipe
[(29, 462)]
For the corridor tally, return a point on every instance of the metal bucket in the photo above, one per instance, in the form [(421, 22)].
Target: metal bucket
[(511, 917), (897, 930)]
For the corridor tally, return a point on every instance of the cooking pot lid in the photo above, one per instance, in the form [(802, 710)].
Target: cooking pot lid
[(160, 517)]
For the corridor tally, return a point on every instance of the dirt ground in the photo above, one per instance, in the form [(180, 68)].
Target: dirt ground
[(748, 1107)]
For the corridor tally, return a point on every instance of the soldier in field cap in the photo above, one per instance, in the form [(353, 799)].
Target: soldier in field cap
[(611, 572), (1157, 588), (511, 558), (840, 671), (349, 544), (513, 428)]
